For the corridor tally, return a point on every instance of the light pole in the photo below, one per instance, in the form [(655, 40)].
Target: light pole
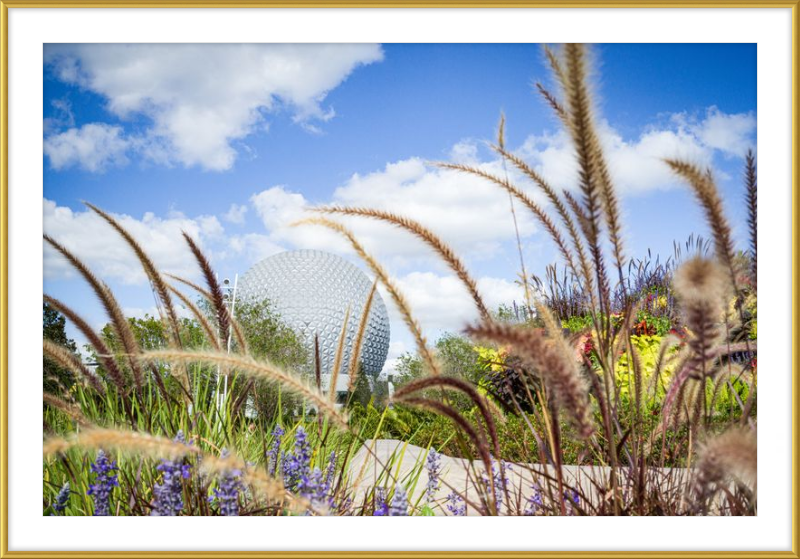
[(229, 300)]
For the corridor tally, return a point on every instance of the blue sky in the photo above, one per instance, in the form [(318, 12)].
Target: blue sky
[(231, 143)]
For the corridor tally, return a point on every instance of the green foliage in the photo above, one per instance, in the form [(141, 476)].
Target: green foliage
[(647, 348), (519, 314), (577, 324), (407, 368), (56, 378), (268, 337), (362, 393), (608, 427), (456, 355), (648, 324)]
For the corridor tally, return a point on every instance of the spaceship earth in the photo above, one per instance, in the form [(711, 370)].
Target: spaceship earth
[(311, 290)]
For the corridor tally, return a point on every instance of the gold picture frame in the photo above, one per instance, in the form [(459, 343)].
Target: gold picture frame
[(5, 5)]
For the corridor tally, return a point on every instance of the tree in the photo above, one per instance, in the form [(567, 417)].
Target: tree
[(457, 358), (456, 355), (53, 328), (268, 337), (150, 333), (362, 389)]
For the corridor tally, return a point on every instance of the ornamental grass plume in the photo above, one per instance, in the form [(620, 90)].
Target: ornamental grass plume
[(707, 194), (68, 360), (702, 285), (104, 482), (751, 185), (260, 370), (557, 368), (169, 493), (217, 298), (104, 353), (156, 279), (731, 455), (447, 254), (235, 327), (115, 313), (702, 281)]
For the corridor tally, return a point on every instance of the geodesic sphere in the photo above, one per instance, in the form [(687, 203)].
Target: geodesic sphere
[(311, 291)]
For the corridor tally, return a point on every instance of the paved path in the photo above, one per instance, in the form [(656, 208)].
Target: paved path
[(369, 465)]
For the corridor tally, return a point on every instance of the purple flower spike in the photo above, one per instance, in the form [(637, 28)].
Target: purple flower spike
[(274, 451), (227, 492), (572, 499), (399, 506), (169, 493), (296, 466), (433, 465), (500, 482), (61, 499), (381, 506), (456, 505), (104, 482), (534, 503), (331, 471)]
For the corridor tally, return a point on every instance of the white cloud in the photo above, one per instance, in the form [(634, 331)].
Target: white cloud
[(442, 303), (396, 349), (468, 213), (92, 147), (636, 165), (731, 134), (236, 214), (278, 207), (254, 247), (203, 97), (102, 249), (62, 117), (465, 151)]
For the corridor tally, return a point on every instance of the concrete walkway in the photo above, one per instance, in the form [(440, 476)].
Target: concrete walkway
[(406, 462)]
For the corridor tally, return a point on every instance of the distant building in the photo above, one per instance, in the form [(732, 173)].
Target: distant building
[(311, 291)]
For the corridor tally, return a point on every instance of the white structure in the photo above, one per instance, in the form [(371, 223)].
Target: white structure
[(311, 290)]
